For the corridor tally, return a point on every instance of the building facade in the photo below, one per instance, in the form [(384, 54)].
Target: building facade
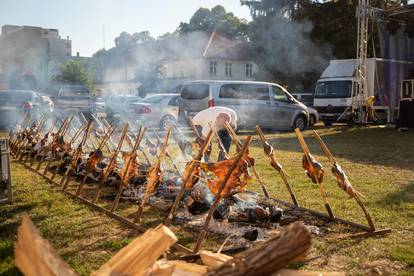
[(219, 58), (30, 56)]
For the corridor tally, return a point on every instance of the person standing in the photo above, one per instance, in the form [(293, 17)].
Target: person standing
[(218, 116)]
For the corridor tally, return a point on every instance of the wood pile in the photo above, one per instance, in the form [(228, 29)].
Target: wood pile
[(34, 256)]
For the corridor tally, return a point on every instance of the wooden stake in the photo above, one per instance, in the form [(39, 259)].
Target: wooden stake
[(76, 156), (145, 198), (213, 207), (188, 177), (333, 161), (281, 172), (105, 173), (255, 172), (321, 190), (100, 146), (128, 164)]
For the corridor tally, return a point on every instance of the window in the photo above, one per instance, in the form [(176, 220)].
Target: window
[(244, 91), (279, 95), (195, 91), (174, 101), (333, 89), (228, 69), (249, 70), (153, 99), (213, 68)]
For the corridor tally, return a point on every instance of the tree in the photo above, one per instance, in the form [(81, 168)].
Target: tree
[(74, 72), (216, 19), (295, 39), (126, 40)]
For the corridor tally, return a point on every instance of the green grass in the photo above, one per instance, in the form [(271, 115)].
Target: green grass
[(379, 162)]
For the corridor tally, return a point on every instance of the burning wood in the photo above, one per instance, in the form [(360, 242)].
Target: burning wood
[(238, 178)]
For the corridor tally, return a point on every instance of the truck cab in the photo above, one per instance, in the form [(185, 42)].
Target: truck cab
[(332, 98), (333, 91)]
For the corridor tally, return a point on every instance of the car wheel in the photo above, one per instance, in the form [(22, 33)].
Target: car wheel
[(312, 120), (300, 122), (166, 122)]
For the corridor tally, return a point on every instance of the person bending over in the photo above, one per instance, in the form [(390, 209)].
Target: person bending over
[(217, 115)]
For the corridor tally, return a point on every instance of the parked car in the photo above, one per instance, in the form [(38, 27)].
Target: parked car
[(313, 116), (13, 103), (305, 98), (157, 110), (256, 103), (118, 104), (74, 99)]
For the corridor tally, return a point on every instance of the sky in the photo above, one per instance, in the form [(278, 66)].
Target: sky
[(86, 21)]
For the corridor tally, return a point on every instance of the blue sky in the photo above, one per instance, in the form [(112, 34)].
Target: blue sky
[(83, 20)]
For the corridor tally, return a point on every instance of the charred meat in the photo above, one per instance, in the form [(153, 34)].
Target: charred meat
[(313, 168)]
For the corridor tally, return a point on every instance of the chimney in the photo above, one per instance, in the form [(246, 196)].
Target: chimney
[(77, 54), (67, 37)]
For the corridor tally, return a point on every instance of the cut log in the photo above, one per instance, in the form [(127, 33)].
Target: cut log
[(269, 256), (212, 259), (34, 256), (140, 254), (177, 268)]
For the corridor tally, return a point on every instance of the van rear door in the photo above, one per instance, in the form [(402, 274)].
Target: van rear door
[(194, 98)]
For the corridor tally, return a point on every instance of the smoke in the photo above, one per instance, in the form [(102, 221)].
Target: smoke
[(285, 49)]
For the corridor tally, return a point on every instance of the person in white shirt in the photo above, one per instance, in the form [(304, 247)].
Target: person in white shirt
[(218, 115)]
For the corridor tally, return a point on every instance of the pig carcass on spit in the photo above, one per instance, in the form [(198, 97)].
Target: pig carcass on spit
[(313, 168), (154, 177), (220, 169), (194, 175), (343, 181), (134, 170), (93, 159)]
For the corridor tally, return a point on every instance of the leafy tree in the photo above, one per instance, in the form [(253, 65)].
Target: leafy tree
[(216, 19), (126, 40), (295, 39), (74, 72)]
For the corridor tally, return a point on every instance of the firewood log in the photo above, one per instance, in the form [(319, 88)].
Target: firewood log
[(177, 268), (140, 254), (34, 256), (212, 259), (270, 256)]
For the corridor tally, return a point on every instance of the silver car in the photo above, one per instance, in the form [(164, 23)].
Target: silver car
[(256, 103), (160, 110)]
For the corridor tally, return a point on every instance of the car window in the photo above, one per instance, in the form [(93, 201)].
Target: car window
[(196, 91), (153, 99), (174, 101), (244, 91), (279, 95)]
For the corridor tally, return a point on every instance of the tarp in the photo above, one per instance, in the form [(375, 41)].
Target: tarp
[(399, 47)]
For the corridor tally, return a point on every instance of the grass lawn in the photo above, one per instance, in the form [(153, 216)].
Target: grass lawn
[(379, 162)]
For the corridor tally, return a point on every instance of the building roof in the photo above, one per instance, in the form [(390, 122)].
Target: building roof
[(204, 45), (222, 47)]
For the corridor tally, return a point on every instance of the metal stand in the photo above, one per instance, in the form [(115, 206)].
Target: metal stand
[(6, 195)]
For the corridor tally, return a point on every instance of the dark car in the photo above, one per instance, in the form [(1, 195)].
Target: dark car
[(13, 103)]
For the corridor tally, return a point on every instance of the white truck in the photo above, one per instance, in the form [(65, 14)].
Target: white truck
[(332, 98)]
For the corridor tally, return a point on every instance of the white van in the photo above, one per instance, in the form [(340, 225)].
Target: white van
[(256, 103)]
